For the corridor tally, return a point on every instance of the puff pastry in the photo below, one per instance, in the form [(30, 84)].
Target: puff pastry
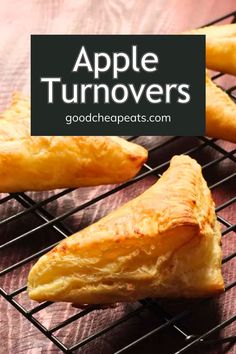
[(220, 113), (43, 163), (220, 47), (164, 243)]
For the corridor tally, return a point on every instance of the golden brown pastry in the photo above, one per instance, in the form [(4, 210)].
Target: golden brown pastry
[(220, 47), (220, 113), (164, 243), (221, 55), (42, 163)]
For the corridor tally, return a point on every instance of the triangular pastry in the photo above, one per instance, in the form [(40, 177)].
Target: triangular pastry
[(164, 243), (43, 163), (220, 47), (220, 113)]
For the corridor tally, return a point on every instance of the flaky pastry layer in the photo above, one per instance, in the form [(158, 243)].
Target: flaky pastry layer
[(164, 243)]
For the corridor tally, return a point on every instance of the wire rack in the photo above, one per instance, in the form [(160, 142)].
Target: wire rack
[(161, 318)]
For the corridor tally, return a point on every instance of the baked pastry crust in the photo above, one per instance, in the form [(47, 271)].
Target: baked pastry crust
[(43, 163), (220, 47), (164, 243), (220, 113)]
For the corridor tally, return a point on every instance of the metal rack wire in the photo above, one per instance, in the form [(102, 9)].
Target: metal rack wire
[(47, 221)]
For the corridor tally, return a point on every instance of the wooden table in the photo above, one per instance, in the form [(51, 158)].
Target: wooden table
[(17, 20)]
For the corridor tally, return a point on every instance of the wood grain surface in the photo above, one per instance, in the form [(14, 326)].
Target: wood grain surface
[(18, 19)]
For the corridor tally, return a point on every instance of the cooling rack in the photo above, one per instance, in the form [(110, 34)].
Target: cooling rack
[(161, 315)]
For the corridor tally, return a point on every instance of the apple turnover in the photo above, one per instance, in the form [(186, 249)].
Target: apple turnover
[(220, 47), (44, 163), (220, 113), (164, 243)]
